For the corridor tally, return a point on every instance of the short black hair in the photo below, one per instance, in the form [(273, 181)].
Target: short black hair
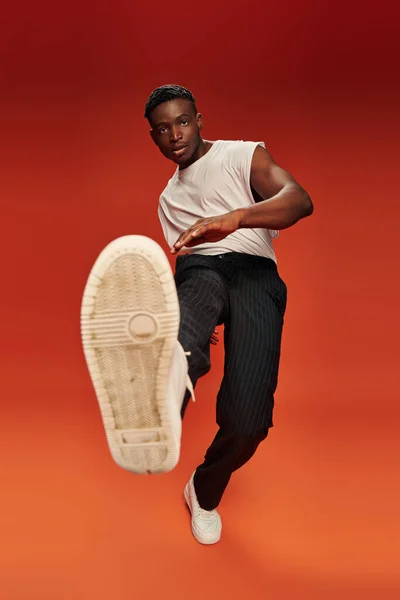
[(166, 93)]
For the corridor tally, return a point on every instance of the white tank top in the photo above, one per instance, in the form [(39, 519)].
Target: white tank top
[(215, 184)]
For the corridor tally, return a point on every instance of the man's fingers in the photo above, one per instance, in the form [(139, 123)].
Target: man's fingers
[(195, 242), (190, 234), (214, 337), (194, 233), (188, 242), (192, 237)]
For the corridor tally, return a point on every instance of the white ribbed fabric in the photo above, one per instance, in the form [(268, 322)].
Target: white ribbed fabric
[(215, 184)]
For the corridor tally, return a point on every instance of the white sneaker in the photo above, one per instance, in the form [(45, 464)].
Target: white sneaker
[(206, 524), (129, 326)]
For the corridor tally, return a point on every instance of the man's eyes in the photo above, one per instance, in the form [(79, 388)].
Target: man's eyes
[(184, 122)]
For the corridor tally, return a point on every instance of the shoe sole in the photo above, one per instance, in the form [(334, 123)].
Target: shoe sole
[(196, 536), (129, 328)]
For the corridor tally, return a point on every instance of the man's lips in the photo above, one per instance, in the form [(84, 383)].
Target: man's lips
[(178, 151)]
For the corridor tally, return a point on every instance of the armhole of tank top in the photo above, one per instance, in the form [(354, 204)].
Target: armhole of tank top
[(248, 174)]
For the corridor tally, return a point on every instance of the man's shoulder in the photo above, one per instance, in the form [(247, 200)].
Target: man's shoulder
[(239, 146), (236, 154), (239, 142)]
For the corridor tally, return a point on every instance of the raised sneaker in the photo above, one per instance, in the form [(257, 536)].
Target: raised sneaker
[(139, 371)]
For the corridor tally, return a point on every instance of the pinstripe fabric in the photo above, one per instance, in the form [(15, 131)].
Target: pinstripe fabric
[(246, 294), (203, 298)]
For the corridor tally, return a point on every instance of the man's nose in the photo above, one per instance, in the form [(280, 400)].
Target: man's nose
[(176, 134)]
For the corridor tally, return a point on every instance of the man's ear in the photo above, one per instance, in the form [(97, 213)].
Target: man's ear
[(199, 121)]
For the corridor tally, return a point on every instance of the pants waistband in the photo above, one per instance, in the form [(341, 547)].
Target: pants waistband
[(235, 257)]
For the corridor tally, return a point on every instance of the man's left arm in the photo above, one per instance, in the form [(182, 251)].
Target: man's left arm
[(285, 201)]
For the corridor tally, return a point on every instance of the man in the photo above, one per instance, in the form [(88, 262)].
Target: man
[(144, 332)]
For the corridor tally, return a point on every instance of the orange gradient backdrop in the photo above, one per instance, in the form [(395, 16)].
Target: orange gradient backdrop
[(314, 514)]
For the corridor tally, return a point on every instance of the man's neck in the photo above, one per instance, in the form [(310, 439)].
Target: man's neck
[(203, 148)]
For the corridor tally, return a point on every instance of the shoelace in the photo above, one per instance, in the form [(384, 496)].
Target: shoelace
[(189, 383), (207, 515)]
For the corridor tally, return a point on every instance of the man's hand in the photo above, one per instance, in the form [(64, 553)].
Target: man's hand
[(214, 338), (212, 229)]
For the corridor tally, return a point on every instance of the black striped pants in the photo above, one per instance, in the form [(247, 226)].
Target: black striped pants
[(246, 294)]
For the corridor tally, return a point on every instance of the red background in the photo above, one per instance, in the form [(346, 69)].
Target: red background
[(315, 514)]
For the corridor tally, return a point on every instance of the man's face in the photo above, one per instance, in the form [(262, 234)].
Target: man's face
[(176, 130)]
